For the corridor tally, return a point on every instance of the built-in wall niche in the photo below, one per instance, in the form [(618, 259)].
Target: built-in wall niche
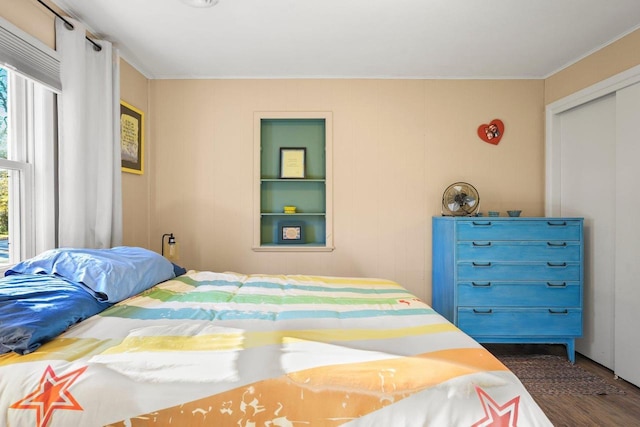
[(293, 181)]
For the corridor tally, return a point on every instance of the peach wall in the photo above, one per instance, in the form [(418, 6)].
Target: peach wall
[(608, 61), (31, 17), (397, 145), (134, 89)]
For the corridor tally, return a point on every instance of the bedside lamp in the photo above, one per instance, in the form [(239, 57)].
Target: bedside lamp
[(171, 246)]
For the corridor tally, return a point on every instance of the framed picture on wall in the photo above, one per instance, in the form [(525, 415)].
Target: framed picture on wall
[(131, 138), (292, 162), (288, 232)]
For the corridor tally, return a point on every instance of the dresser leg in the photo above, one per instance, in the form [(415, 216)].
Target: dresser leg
[(571, 351)]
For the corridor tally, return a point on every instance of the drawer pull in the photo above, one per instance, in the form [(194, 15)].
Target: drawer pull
[(556, 264), (556, 223), (481, 264), (481, 244), (557, 285), (482, 311), (481, 223), (557, 244), (552, 311), (481, 285)]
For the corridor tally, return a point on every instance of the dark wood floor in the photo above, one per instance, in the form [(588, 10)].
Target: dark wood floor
[(615, 410)]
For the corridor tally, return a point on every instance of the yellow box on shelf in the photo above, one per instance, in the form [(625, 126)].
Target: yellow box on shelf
[(289, 209)]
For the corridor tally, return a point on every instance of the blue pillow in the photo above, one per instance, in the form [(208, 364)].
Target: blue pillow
[(178, 271), (35, 308), (111, 274)]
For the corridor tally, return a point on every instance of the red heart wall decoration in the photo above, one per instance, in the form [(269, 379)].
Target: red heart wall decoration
[(491, 133)]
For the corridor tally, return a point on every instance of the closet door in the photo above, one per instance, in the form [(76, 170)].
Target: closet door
[(627, 265), (587, 189)]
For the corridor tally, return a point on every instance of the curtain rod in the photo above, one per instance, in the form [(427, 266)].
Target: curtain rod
[(96, 46)]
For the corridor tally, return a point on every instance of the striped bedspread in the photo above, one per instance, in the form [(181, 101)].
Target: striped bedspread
[(226, 349)]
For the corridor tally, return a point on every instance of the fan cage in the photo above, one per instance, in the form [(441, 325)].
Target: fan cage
[(460, 199)]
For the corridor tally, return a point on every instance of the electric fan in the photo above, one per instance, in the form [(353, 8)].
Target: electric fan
[(460, 199)]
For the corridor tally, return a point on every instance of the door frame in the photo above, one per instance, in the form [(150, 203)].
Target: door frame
[(553, 140)]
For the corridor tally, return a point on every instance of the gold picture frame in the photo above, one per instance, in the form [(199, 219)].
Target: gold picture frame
[(131, 139)]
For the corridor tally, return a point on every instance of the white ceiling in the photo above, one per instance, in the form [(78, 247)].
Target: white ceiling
[(356, 38)]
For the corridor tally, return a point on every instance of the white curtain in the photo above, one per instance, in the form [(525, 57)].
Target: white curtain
[(89, 174)]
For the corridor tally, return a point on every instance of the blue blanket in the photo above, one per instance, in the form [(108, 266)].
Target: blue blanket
[(35, 308), (42, 296)]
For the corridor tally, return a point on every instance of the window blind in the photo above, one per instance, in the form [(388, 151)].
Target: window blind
[(28, 56)]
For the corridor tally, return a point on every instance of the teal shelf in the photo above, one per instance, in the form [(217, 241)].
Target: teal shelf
[(314, 228), (292, 133), (296, 246), (305, 195), (310, 195), (290, 180), (293, 214)]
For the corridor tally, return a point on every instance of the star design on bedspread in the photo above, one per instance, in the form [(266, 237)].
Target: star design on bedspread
[(496, 415), (52, 393)]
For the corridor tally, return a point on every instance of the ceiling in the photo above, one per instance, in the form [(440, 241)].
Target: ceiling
[(356, 38)]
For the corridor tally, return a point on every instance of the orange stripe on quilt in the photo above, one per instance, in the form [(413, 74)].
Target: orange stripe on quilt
[(328, 396)]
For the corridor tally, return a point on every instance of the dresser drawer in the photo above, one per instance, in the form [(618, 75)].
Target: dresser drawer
[(520, 271), (482, 250), (519, 294), (515, 322), (544, 229)]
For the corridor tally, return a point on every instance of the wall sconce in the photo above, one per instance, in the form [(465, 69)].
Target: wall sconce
[(171, 247)]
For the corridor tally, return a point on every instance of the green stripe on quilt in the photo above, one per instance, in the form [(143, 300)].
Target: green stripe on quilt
[(291, 286), (146, 313), (166, 295)]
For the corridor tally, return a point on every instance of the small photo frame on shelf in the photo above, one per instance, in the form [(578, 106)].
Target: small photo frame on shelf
[(290, 232), (131, 139), (293, 162)]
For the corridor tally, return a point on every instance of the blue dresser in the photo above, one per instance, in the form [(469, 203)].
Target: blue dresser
[(510, 280)]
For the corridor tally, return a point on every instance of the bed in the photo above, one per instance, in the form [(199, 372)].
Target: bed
[(227, 349)]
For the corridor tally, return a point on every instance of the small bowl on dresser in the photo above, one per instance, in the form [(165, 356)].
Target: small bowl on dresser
[(513, 213)]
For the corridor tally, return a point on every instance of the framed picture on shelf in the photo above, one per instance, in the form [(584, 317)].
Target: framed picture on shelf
[(293, 162), (290, 232), (131, 139)]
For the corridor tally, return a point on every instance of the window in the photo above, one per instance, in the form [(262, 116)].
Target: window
[(27, 155), (29, 79)]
